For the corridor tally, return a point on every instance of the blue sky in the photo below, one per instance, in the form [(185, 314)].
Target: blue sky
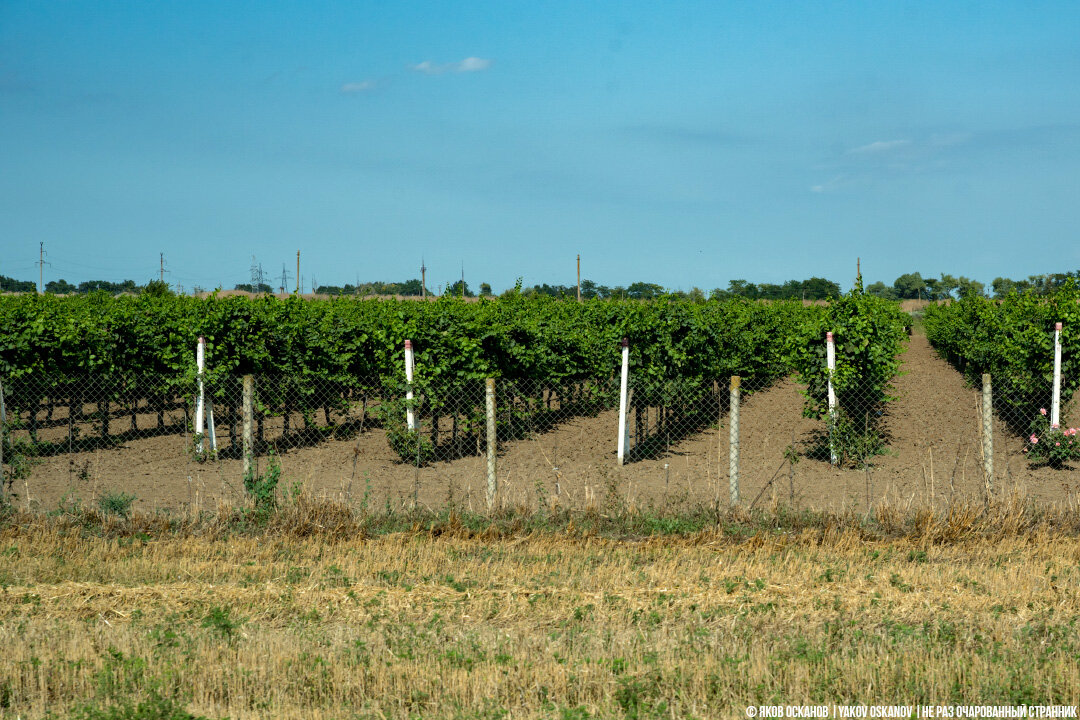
[(680, 143)]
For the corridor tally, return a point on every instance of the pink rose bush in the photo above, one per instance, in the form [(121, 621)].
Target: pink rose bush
[(1048, 445)]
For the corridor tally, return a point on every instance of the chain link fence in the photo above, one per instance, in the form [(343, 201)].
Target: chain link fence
[(380, 443)]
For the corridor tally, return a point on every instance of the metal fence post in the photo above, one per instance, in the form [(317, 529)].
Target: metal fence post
[(249, 415), (1055, 402), (988, 431), (489, 396), (624, 432), (830, 364), (733, 443), (410, 413)]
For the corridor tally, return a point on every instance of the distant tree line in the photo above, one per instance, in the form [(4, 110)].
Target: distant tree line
[(913, 286), (909, 286), (407, 288), (63, 287), (1039, 284), (813, 289), (12, 285)]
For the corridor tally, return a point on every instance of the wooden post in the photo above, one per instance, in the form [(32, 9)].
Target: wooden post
[(624, 380), (492, 487), (410, 413), (988, 431), (3, 433), (1055, 404), (830, 360), (733, 441), (249, 414)]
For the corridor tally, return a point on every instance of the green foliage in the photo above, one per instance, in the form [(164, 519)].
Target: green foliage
[(116, 502), (412, 447), (882, 290), (459, 288), (221, 620), (141, 348), (262, 488), (1037, 284), (156, 707), (869, 334), (157, 288), (18, 458), (1049, 445), (8, 284), (1012, 340), (813, 289), (60, 287)]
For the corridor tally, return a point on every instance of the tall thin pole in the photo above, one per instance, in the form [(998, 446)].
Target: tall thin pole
[(988, 431), (830, 365), (41, 268), (579, 277), (624, 431), (297, 272), (410, 412), (1055, 402), (423, 279), (200, 403), (733, 440), (161, 273), (249, 414), (492, 444)]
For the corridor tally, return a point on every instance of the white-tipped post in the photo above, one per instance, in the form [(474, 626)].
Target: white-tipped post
[(1055, 404), (830, 361), (200, 402), (624, 432), (410, 414)]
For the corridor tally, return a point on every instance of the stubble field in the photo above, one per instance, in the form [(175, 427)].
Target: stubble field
[(314, 612)]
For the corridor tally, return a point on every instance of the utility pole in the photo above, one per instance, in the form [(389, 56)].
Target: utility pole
[(284, 278), (579, 277), (423, 279), (161, 269), (298, 271), (41, 267)]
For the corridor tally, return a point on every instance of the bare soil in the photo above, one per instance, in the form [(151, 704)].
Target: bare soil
[(933, 455)]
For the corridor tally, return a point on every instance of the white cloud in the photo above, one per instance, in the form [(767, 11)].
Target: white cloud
[(358, 87), (879, 146), (828, 186), (469, 64), (472, 64)]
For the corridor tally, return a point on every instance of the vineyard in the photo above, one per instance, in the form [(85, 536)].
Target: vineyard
[(86, 376), (1013, 340), (375, 578)]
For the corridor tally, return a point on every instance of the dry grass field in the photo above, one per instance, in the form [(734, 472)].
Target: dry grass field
[(315, 612)]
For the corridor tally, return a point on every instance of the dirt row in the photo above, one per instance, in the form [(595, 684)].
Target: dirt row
[(933, 455)]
